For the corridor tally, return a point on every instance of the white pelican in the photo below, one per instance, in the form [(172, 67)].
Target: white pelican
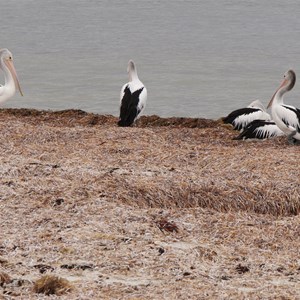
[(240, 118), (133, 97), (286, 117), (11, 79), (260, 129)]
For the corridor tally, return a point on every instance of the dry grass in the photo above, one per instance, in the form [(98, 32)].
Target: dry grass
[(52, 285), (169, 209), (4, 278)]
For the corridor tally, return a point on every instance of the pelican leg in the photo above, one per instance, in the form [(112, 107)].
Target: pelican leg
[(296, 142), (135, 123), (292, 140)]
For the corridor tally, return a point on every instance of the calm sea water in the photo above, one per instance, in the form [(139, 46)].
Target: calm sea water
[(196, 58)]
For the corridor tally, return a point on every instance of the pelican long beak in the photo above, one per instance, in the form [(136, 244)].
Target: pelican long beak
[(283, 83), (12, 69)]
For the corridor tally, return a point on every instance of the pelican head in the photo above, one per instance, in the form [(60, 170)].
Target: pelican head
[(257, 104), (290, 76), (288, 82), (131, 70), (7, 61)]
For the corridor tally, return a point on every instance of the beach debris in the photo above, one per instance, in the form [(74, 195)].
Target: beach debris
[(242, 269), (126, 240), (52, 285), (3, 261), (225, 277), (4, 279), (77, 266), (280, 269), (164, 224), (58, 201), (161, 250), (43, 268)]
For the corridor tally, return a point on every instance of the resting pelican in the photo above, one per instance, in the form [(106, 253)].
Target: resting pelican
[(260, 129), (286, 117), (133, 97), (11, 79), (240, 118)]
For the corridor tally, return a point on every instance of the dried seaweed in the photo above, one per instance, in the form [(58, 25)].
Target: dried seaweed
[(52, 285), (78, 191), (4, 278)]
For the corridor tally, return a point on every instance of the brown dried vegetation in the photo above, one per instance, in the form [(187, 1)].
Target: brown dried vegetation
[(52, 285), (171, 208), (165, 225), (4, 278)]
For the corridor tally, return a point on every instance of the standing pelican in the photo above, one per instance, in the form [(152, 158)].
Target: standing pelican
[(240, 118), (286, 117), (133, 97), (11, 79)]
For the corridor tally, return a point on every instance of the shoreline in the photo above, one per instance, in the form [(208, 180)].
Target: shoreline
[(78, 191), (80, 117)]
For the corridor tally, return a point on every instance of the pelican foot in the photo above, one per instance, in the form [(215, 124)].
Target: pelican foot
[(292, 140)]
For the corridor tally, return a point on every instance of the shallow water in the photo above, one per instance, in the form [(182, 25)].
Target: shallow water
[(196, 58)]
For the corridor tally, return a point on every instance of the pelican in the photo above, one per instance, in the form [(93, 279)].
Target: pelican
[(240, 118), (11, 79), (286, 117), (260, 129), (133, 97)]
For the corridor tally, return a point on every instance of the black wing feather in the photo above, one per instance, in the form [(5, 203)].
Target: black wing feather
[(129, 107), (251, 131), (236, 113)]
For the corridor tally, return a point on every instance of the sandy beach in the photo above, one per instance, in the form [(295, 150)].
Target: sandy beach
[(172, 208)]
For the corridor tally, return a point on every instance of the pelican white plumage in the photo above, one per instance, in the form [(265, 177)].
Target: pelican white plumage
[(260, 129), (286, 117), (240, 118), (10, 75), (133, 97)]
